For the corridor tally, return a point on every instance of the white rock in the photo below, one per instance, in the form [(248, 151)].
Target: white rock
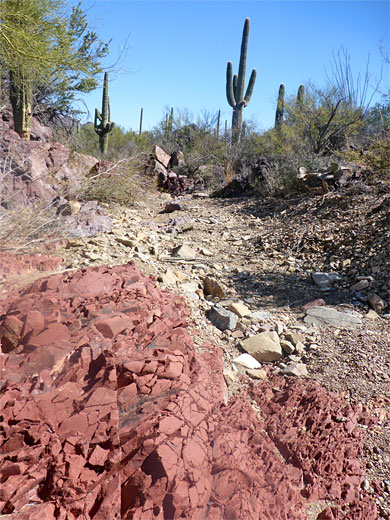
[(295, 369), (183, 251), (325, 279), (246, 361), (329, 316)]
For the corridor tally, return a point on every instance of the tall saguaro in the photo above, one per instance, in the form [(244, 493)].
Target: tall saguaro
[(105, 126), (235, 85), (280, 108), (140, 121)]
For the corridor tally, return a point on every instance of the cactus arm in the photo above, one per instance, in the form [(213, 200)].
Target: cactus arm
[(98, 117), (235, 79), (251, 85), (242, 66), (230, 85)]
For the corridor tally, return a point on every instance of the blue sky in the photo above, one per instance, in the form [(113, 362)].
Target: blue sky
[(179, 51)]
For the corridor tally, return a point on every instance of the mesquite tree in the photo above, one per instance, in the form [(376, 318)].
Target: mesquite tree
[(43, 47)]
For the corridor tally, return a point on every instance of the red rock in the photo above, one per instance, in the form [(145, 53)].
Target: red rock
[(56, 332), (10, 332), (98, 457), (110, 327), (34, 323), (130, 421)]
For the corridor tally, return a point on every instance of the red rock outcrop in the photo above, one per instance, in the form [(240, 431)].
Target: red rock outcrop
[(109, 411), (35, 171)]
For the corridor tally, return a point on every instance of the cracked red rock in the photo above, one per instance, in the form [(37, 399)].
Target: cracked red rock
[(108, 411)]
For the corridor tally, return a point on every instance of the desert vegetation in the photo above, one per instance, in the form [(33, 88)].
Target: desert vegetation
[(319, 126)]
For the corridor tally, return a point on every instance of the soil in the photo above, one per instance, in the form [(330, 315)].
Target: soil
[(263, 252)]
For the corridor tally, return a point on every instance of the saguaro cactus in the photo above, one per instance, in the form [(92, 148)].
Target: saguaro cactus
[(20, 96), (105, 126), (218, 123), (300, 96), (169, 125), (235, 85), (280, 108), (140, 121)]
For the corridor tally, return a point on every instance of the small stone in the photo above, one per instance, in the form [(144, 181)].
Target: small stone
[(323, 280), (359, 286), (295, 369), (246, 361), (180, 275), (212, 287), (189, 287), (376, 302), (263, 347), (257, 374), (287, 346), (229, 375), (240, 309), (300, 348), (315, 303), (168, 277), (371, 315), (328, 316), (170, 207), (295, 337), (279, 328), (222, 318), (260, 315), (125, 241), (206, 252), (183, 251)]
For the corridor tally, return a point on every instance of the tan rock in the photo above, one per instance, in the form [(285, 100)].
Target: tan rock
[(294, 337), (359, 286), (168, 277), (183, 251), (180, 275), (287, 346), (259, 373), (229, 375), (212, 287), (372, 315), (240, 309), (263, 347)]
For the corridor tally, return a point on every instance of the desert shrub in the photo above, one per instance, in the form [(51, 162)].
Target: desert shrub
[(121, 183)]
